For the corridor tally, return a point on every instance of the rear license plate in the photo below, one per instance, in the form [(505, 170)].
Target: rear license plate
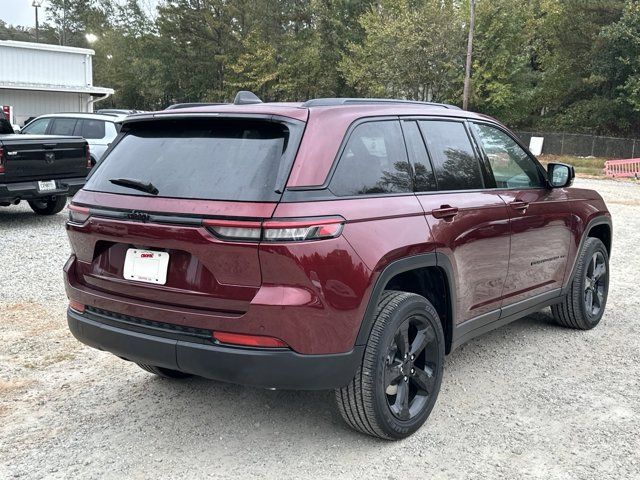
[(146, 266), (46, 185)]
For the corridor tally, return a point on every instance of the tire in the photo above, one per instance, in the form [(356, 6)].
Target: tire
[(371, 403), (48, 206), (163, 372), (578, 307)]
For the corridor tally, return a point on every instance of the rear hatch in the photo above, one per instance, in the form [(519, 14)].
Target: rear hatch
[(201, 170), (43, 157)]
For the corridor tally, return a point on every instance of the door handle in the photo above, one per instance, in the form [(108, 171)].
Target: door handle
[(519, 205), (446, 212)]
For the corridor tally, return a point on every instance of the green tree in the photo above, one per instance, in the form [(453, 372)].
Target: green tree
[(74, 19), (617, 61), (504, 67), (198, 43), (127, 60), (410, 50), (568, 94)]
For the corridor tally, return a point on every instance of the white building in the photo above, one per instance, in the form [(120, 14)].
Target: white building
[(37, 78)]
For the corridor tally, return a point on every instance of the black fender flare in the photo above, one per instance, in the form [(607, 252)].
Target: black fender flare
[(433, 259), (599, 220)]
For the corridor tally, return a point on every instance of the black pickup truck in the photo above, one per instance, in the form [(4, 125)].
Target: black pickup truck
[(41, 169)]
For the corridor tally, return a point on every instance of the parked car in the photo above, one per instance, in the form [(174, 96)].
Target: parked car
[(5, 124), (343, 244), (118, 111), (42, 170), (99, 130)]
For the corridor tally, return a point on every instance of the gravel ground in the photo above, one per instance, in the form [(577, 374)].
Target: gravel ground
[(530, 400)]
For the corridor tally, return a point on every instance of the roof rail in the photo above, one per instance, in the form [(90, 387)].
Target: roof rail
[(176, 106), (329, 102)]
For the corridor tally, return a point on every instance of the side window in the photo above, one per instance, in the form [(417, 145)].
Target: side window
[(37, 127), (512, 167), (92, 129), (373, 161), (454, 160), (63, 126), (111, 131), (424, 179)]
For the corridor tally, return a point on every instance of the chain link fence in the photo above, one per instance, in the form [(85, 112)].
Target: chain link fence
[(584, 145)]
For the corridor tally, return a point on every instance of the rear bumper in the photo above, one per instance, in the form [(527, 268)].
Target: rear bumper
[(266, 368), (10, 192)]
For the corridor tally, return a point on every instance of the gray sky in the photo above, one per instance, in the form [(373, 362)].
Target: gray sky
[(18, 12)]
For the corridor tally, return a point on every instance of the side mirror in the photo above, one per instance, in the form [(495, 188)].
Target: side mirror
[(560, 175)]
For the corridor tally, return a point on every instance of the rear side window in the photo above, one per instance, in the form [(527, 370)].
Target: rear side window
[(37, 127), (453, 157), (228, 159), (91, 129), (63, 126), (511, 166), (374, 160), (424, 179)]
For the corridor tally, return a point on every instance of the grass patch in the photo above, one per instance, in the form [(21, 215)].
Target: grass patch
[(585, 166)]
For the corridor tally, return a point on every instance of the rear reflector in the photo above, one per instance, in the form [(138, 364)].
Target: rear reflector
[(76, 306), (2, 160), (78, 214), (248, 340)]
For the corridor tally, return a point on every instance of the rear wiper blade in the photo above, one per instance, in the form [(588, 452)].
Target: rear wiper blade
[(135, 184)]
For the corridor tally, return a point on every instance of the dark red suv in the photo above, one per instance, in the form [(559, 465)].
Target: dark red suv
[(343, 244)]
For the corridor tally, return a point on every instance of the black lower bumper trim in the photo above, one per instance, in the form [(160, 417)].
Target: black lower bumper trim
[(28, 190), (283, 369)]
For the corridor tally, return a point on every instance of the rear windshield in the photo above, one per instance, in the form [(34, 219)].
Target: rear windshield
[(219, 159)]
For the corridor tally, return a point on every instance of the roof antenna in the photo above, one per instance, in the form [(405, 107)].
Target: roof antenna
[(244, 97)]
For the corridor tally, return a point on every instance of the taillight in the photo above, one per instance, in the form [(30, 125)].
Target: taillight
[(281, 230), (2, 160), (248, 340), (300, 230), (231, 230), (78, 214), (87, 154)]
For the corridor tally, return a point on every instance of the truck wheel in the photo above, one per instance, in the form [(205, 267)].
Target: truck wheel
[(395, 388), (582, 307), (163, 372), (48, 206)]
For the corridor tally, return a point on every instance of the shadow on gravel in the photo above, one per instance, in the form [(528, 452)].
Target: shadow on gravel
[(20, 217), (198, 408), (194, 408)]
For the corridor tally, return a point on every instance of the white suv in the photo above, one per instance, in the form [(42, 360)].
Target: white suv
[(99, 130)]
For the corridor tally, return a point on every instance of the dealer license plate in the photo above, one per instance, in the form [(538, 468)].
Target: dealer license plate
[(146, 266)]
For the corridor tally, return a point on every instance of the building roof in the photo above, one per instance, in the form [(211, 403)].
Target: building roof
[(48, 68), (91, 90), (46, 46)]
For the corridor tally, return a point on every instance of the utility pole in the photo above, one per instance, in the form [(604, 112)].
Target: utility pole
[(467, 70), (37, 4), (64, 23)]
